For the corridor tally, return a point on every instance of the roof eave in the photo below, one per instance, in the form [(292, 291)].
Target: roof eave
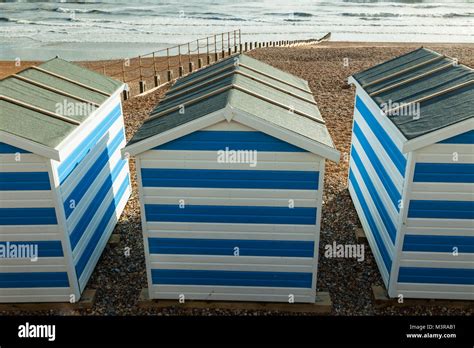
[(31, 146), (438, 135)]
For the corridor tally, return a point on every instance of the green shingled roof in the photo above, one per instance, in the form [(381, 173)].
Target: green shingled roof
[(248, 85), (29, 122), (421, 74)]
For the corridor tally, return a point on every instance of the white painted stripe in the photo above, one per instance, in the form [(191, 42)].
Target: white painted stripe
[(437, 263), (89, 196), (447, 149), (440, 223), (79, 172), (442, 192), (440, 231), (34, 265), (87, 235), (190, 226), (28, 230), (229, 126), (442, 187), (22, 167), (409, 256), (375, 214), (382, 155), (38, 236), (26, 199), (441, 291), (24, 158), (370, 238), (445, 158), (29, 268), (232, 263), (260, 165), (35, 295), (258, 202), (223, 234), (189, 192), (212, 156), (376, 181)]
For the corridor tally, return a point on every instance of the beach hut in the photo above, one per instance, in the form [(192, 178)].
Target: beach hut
[(411, 173), (63, 183), (230, 171)]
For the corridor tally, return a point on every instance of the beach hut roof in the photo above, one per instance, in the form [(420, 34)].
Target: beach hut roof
[(443, 89), (42, 105), (244, 86)]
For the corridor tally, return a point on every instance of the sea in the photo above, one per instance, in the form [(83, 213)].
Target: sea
[(90, 30)]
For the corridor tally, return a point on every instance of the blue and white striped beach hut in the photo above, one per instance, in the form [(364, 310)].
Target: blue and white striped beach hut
[(412, 173), (230, 173), (63, 183)]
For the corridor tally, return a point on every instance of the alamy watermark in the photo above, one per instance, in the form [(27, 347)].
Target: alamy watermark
[(68, 108), (237, 156), (346, 251), (401, 109), (17, 250)]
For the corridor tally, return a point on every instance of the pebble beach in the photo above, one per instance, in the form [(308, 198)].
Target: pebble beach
[(119, 278)]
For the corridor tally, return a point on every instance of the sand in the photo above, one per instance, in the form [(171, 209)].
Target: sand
[(119, 279)]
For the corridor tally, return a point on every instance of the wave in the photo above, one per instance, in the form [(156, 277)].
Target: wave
[(125, 11), (379, 15), (289, 14)]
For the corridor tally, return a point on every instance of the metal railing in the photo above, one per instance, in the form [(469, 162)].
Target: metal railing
[(161, 67)]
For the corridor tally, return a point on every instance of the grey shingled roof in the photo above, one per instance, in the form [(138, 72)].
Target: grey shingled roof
[(248, 85), (435, 113), (67, 79)]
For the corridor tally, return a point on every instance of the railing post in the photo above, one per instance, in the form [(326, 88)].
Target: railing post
[(223, 51), (180, 65), (199, 57), (208, 58), (142, 86), (123, 70), (140, 65), (216, 55)]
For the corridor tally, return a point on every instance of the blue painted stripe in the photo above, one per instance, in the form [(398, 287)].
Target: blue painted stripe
[(441, 209), (34, 280), (21, 181), (231, 214), (99, 231), (372, 224), (6, 148), (392, 150), (379, 168), (387, 220), (438, 244), (195, 246), (211, 178), (464, 138), (46, 248), (444, 172), (231, 278), (71, 162), (234, 140), (27, 216), (89, 213), (436, 275), (84, 184)]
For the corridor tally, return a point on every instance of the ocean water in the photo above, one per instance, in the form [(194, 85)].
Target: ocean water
[(82, 30)]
